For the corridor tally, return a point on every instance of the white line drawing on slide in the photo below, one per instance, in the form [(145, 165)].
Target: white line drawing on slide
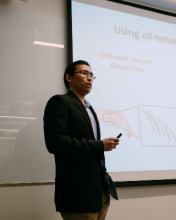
[(113, 118)]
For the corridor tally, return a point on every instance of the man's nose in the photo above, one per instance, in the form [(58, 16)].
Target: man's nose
[(89, 78)]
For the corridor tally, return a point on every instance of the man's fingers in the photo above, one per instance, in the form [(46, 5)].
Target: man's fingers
[(112, 148), (115, 139), (110, 143), (113, 143)]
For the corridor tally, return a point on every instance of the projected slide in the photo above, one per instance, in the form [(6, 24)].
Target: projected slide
[(133, 59)]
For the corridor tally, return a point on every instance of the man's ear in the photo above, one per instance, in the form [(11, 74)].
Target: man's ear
[(69, 77)]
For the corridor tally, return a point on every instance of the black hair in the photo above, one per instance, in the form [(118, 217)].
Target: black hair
[(71, 70)]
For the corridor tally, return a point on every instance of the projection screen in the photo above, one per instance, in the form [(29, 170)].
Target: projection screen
[(132, 54)]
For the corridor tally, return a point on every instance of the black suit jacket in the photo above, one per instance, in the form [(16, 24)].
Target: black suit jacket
[(78, 156)]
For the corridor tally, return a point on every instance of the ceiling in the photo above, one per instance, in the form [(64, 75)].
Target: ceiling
[(166, 5)]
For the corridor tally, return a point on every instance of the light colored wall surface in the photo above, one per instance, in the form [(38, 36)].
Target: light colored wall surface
[(37, 202), (135, 203)]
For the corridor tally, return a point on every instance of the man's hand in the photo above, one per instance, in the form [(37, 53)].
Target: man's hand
[(110, 143)]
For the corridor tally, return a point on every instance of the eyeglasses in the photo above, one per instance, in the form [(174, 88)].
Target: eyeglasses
[(86, 73)]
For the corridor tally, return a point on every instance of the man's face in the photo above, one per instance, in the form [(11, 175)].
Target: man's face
[(79, 82)]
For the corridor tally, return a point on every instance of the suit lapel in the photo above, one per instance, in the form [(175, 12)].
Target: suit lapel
[(82, 109)]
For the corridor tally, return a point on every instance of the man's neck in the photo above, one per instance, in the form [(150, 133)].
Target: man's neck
[(80, 96)]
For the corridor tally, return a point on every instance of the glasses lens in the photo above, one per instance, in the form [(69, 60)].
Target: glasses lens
[(86, 73)]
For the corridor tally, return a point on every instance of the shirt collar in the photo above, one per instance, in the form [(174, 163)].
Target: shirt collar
[(86, 104)]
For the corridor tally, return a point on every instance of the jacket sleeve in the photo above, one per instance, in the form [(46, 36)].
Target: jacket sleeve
[(56, 137)]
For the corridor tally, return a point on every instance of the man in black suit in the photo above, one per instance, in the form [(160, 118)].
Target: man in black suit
[(72, 134)]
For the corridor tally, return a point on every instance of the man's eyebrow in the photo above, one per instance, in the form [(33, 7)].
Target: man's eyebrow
[(87, 71)]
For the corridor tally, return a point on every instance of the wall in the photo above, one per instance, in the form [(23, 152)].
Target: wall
[(37, 201), (135, 203)]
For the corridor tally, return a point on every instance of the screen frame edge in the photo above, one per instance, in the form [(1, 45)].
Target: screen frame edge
[(143, 7)]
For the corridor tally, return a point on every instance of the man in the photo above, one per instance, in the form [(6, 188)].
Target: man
[(72, 134)]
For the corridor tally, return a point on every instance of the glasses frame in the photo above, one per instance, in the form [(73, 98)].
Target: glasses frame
[(88, 74)]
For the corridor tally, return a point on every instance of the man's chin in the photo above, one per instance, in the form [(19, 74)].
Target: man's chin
[(87, 91)]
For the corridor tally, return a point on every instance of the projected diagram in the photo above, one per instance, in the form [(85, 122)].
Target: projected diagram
[(113, 118), (156, 124)]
